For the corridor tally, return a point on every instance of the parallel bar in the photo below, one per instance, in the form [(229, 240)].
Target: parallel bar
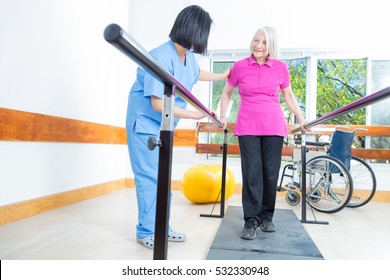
[(362, 102), (224, 160), (223, 182), (163, 196), (303, 184), (116, 36), (164, 176), (303, 176)]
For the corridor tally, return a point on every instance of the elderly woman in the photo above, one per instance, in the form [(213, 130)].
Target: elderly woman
[(260, 126)]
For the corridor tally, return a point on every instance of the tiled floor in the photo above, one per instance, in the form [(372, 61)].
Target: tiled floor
[(103, 228)]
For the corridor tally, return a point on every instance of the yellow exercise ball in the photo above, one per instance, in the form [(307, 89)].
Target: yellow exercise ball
[(202, 183)]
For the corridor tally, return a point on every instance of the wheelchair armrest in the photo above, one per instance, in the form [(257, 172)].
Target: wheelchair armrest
[(308, 143), (318, 144)]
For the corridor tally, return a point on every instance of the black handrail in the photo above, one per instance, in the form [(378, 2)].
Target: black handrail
[(362, 102), (116, 36)]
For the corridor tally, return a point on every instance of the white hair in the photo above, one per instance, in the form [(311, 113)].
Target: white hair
[(271, 37)]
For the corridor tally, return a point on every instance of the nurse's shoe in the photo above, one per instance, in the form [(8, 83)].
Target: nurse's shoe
[(176, 236), (147, 242)]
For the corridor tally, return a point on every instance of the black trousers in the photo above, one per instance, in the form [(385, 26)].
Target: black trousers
[(261, 157)]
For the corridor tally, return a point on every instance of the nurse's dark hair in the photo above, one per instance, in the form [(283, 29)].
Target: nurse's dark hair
[(192, 28)]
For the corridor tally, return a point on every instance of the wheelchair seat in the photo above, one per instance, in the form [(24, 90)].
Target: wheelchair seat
[(340, 146)]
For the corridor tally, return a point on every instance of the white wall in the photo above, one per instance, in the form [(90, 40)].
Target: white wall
[(333, 24), (54, 60)]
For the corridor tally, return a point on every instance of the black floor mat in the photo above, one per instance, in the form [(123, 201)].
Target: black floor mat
[(290, 241)]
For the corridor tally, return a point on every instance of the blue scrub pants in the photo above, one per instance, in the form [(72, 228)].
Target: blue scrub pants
[(144, 163)]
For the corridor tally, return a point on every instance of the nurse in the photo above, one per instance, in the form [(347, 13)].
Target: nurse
[(189, 35)]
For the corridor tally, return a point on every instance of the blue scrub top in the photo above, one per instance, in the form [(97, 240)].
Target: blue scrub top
[(140, 111)]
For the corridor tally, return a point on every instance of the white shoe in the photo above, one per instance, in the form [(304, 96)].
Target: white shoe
[(147, 242), (176, 236)]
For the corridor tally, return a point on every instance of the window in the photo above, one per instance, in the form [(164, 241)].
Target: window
[(380, 114), (339, 83), (298, 75), (220, 67)]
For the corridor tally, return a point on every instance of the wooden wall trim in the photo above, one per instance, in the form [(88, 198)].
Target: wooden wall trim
[(234, 149), (25, 126), (20, 210), (185, 138), (322, 129), (33, 127)]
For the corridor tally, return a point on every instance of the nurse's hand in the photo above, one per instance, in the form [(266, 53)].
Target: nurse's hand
[(226, 74), (196, 115)]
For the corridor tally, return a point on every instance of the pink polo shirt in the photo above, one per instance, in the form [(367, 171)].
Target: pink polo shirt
[(260, 111)]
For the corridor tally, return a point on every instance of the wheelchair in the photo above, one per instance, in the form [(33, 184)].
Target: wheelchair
[(335, 179)]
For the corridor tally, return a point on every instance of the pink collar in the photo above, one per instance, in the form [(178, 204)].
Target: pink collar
[(252, 60)]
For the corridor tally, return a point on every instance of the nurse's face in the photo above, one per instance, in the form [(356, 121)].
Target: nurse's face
[(259, 47)]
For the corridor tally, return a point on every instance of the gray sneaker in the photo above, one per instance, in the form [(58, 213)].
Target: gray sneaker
[(267, 226), (250, 228)]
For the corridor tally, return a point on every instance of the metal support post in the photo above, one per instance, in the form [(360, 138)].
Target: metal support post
[(164, 175), (223, 182), (303, 183)]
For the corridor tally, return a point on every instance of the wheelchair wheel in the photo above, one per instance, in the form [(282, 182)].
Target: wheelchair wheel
[(293, 198), (315, 196), (329, 184), (364, 182)]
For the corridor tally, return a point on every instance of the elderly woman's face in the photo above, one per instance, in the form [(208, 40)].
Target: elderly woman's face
[(259, 47)]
